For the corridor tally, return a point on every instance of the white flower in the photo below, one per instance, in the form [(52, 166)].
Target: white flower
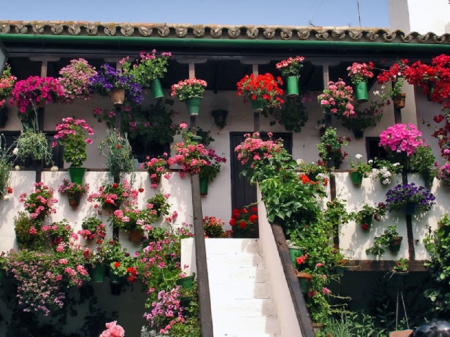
[(358, 156), (370, 161), (376, 93), (386, 181), (16, 151), (17, 167), (54, 168), (396, 164), (300, 161)]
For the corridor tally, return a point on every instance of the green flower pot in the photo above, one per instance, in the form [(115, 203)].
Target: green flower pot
[(361, 93), (77, 174), (98, 273), (295, 252), (186, 282), (410, 209), (257, 105), (156, 89), (204, 185), (193, 105), (292, 86), (356, 178), (305, 280)]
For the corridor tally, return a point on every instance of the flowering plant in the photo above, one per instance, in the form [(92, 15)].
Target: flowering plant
[(365, 215), (364, 118), (73, 188), (330, 146), (148, 67), (76, 80), (401, 139), (156, 167), (263, 88), (291, 66), (384, 170), (337, 98), (40, 201), (311, 169), (360, 72), (160, 204), (132, 218), (213, 227), (33, 143), (401, 195), (401, 265), (244, 221), (189, 88), (92, 227), (7, 82), (422, 160), (443, 173), (73, 135), (113, 195), (361, 167), (109, 79), (395, 75), (212, 167), (34, 91), (113, 330)]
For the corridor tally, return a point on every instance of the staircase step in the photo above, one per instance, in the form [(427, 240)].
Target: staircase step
[(235, 260), (245, 326), (243, 307), (226, 246)]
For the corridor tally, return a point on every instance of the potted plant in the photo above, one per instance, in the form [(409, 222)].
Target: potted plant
[(330, 147), (359, 74), (7, 82), (110, 82), (359, 170), (244, 222), (76, 80), (337, 99), (159, 204), (395, 75), (401, 141), (311, 169), (443, 173), (73, 134), (119, 155), (92, 227), (389, 239), (113, 330), (367, 213), (111, 196), (293, 115), (148, 69), (35, 92), (73, 191), (290, 70), (156, 168), (423, 162), (213, 227), (384, 170), (134, 220), (261, 91), (210, 171), (363, 118), (40, 202), (190, 91), (409, 197), (401, 266)]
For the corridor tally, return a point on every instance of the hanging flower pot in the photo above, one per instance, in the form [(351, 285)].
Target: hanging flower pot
[(292, 86), (155, 180), (394, 245), (366, 223), (305, 281), (135, 235), (399, 101), (3, 116), (204, 185), (193, 105), (220, 117), (117, 96), (358, 133), (430, 92), (362, 95), (115, 283), (356, 178), (156, 89), (74, 199), (410, 208), (295, 252), (98, 273), (257, 105), (77, 174), (186, 282)]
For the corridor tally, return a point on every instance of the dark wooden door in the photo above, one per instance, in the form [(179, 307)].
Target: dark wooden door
[(242, 193)]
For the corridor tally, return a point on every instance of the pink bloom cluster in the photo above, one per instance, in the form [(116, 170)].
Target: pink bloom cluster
[(188, 88), (156, 167), (360, 72), (337, 98), (113, 330), (35, 90), (71, 127), (40, 202), (75, 79), (254, 149), (401, 138), (291, 66), (114, 194), (6, 85)]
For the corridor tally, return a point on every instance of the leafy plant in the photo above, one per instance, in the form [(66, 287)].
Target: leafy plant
[(7, 82), (213, 227), (148, 67), (364, 117), (330, 146), (401, 265), (360, 72), (39, 203), (395, 75), (160, 204), (384, 241), (292, 115), (422, 160), (76, 79), (92, 227), (336, 99), (361, 167), (367, 213), (384, 170), (244, 222), (189, 88), (6, 165)]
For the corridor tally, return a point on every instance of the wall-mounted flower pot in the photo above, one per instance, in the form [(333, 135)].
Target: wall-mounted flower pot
[(135, 235), (410, 208), (204, 185), (156, 89), (98, 273), (361, 93), (305, 281), (356, 178), (186, 282), (358, 133), (292, 86), (74, 199), (220, 117), (257, 105), (76, 174), (193, 105), (117, 97), (399, 101), (295, 252), (115, 284), (394, 245)]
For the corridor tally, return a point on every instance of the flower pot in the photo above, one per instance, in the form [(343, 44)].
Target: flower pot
[(135, 235), (156, 89), (410, 208), (295, 252), (74, 199), (394, 245), (3, 116), (304, 280), (399, 101), (220, 117), (186, 282), (292, 86), (204, 185), (257, 105), (366, 223), (193, 105), (77, 174), (117, 96), (399, 279), (98, 273), (361, 93), (337, 164), (428, 180), (155, 180), (356, 178), (358, 133)]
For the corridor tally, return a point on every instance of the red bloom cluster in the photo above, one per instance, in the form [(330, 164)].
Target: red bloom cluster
[(244, 220), (398, 69), (262, 87)]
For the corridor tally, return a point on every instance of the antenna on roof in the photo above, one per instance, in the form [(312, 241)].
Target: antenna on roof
[(311, 24), (359, 13)]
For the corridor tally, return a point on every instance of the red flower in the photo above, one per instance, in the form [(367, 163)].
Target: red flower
[(254, 209), (301, 259), (439, 118), (242, 224), (117, 264), (118, 146), (115, 185), (365, 226), (10, 190), (232, 221), (253, 218), (141, 190)]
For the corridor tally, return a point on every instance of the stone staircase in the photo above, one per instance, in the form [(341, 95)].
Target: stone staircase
[(240, 293)]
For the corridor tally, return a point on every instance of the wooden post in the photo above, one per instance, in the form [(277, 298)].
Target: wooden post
[(256, 115), (200, 246)]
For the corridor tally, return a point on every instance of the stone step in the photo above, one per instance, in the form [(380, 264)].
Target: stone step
[(239, 290), (227, 246), (243, 307), (234, 260), (245, 326)]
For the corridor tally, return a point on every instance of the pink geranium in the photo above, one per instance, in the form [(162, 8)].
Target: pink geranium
[(189, 88), (337, 99), (360, 72), (113, 330), (401, 138)]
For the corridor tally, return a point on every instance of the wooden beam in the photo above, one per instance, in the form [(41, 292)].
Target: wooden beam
[(382, 265)]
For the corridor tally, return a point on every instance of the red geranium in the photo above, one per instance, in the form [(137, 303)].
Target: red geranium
[(262, 87), (246, 218)]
